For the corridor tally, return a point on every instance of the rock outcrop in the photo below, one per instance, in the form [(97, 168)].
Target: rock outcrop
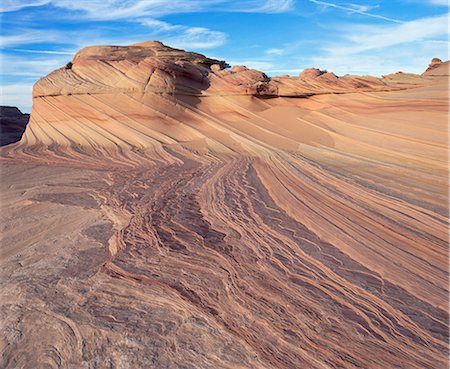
[(164, 211), (435, 63), (152, 67), (150, 82), (12, 124), (437, 68)]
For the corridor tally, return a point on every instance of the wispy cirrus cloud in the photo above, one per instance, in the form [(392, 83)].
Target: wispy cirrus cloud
[(268, 6), (439, 2), (181, 36), (196, 38), (14, 5), (57, 38), (29, 36), (120, 9), (275, 51), (143, 12), (386, 48), (15, 65), (49, 52), (355, 8), (364, 38), (160, 26)]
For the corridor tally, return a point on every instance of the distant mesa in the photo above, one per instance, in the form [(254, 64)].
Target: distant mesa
[(12, 124)]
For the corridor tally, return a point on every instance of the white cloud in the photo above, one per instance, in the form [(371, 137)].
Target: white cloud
[(195, 38), (121, 9), (51, 52), (13, 65), (160, 25), (68, 39), (253, 64), (136, 10), (390, 60), (361, 8), (365, 38), (269, 6), (385, 49), (354, 8), (28, 37), (17, 95), (185, 37), (439, 2), (275, 51), (13, 5)]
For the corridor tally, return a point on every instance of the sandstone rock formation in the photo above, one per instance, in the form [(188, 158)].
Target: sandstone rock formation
[(435, 63), (437, 68), (137, 83), (164, 211)]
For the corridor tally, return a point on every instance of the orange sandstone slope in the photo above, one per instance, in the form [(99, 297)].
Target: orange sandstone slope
[(181, 214), (139, 89)]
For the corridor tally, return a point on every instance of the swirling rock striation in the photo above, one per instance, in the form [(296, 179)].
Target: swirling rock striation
[(164, 211)]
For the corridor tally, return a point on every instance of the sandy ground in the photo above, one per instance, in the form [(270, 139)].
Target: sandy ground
[(229, 232)]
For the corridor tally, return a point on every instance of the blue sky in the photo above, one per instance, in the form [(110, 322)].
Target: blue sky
[(276, 36)]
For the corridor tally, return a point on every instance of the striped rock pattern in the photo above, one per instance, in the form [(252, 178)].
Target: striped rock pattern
[(162, 211)]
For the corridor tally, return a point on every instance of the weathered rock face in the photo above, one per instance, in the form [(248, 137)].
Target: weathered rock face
[(121, 95), (152, 67), (165, 212), (437, 68), (435, 63), (146, 67), (311, 73), (12, 124)]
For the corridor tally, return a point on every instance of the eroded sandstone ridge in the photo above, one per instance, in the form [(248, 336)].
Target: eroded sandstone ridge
[(137, 89), (165, 211)]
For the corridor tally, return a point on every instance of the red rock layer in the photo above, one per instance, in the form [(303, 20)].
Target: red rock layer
[(188, 220)]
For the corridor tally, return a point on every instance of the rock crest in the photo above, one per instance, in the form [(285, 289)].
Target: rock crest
[(136, 80)]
